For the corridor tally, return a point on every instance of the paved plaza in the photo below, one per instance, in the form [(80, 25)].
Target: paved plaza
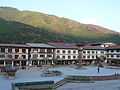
[(34, 74), (98, 85)]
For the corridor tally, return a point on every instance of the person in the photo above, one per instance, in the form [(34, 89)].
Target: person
[(98, 69)]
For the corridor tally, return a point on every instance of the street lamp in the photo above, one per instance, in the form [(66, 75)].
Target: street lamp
[(99, 62), (80, 56)]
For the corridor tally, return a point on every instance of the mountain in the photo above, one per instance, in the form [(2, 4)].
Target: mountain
[(27, 26)]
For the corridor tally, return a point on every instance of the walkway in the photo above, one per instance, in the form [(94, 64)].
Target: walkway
[(98, 85)]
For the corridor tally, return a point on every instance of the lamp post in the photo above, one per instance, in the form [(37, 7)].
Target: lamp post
[(99, 62), (80, 56)]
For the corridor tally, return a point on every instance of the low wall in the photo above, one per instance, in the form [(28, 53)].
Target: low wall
[(100, 78), (92, 78)]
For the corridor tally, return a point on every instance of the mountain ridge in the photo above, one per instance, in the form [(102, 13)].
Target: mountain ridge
[(58, 25)]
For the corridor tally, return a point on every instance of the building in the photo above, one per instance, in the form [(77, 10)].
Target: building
[(91, 53), (113, 54), (107, 44), (40, 54), (37, 54), (13, 54), (65, 53)]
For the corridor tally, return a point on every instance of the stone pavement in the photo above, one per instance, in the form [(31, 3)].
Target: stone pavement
[(98, 85)]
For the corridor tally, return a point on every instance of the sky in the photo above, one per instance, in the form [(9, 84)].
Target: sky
[(105, 13)]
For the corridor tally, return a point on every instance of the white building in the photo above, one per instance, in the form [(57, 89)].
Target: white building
[(91, 53), (65, 53), (13, 55), (113, 54), (41, 53), (37, 54)]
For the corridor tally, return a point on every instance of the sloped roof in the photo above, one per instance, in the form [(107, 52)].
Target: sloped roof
[(13, 45), (113, 47), (39, 45), (64, 45), (93, 47)]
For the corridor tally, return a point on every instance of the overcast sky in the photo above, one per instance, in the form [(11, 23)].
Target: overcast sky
[(100, 12)]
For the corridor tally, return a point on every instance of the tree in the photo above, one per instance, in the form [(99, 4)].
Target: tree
[(99, 62)]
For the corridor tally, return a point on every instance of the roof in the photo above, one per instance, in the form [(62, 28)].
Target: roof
[(39, 45), (114, 47), (93, 47), (64, 45), (13, 45)]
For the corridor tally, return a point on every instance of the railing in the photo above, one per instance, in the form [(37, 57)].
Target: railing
[(60, 83), (86, 79)]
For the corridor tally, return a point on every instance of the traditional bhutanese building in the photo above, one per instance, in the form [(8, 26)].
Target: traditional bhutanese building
[(37, 54), (113, 54), (91, 53), (40, 54), (65, 53), (13, 55)]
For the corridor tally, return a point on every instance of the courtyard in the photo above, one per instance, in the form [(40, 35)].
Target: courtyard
[(34, 74)]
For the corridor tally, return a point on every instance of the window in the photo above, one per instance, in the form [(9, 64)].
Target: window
[(74, 51), (69, 51), (112, 51), (35, 50), (93, 57), (35, 55), (118, 56), (83, 56), (9, 50), (24, 50), (63, 57), (2, 56), (58, 51), (107, 51), (24, 56), (42, 50), (1, 62), (93, 52), (49, 56), (117, 50), (3, 50), (74, 57), (111, 55), (63, 51), (42, 56), (84, 52), (9, 56), (88, 56), (16, 56), (58, 57), (49, 50), (69, 57), (102, 52), (17, 50), (88, 51)]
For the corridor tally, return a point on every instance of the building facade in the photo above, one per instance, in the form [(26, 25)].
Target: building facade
[(37, 54), (40, 54), (113, 54), (13, 55), (91, 53), (65, 53)]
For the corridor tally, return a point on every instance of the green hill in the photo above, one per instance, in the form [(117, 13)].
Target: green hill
[(28, 26)]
